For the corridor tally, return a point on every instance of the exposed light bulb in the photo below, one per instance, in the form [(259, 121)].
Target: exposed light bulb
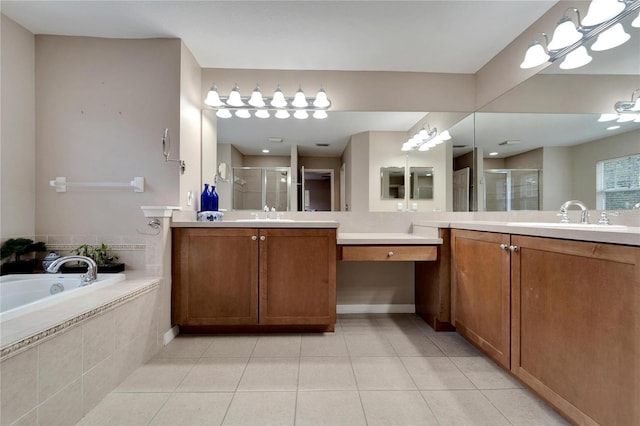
[(278, 99), (321, 100), (636, 22), (613, 37), (299, 101), (213, 98), (607, 117), (320, 115), (243, 113), (282, 113), (564, 35), (601, 11), (234, 97), (262, 113), (445, 135), (636, 105), (406, 147), (301, 114), (256, 98), (535, 56), (576, 59), (223, 113), (424, 147), (625, 118)]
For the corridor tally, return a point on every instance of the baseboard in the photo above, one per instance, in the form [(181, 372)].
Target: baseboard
[(376, 309), (170, 335)]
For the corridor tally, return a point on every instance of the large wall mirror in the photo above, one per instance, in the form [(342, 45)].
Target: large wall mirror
[(550, 123)]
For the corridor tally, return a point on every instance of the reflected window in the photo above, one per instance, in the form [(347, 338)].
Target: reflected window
[(618, 185)]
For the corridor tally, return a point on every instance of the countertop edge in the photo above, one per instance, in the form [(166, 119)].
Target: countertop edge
[(320, 224)]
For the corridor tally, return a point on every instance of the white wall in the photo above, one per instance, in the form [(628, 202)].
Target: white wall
[(17, 136), (101, 107)]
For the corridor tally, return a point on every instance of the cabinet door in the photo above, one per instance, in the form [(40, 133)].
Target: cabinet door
[(576, 327), (481, 291), (297, 276), (215, 276)]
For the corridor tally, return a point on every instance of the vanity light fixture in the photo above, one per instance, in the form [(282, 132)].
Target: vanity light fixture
[(607, 117), (629, 106), (613, 37), (568, 41), (576, 59), (566, 32), (425, 139), (601, 11), (298, 106)]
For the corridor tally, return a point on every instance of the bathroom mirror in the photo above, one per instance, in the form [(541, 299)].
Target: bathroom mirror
[(392, 183), (421, 183), (223, 172)]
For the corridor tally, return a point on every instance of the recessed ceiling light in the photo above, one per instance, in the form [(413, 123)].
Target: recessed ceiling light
[(275, 140), (265, 151), (613, 127), (322, 144), (493, 153)]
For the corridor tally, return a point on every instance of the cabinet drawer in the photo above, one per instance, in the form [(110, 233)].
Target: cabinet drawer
[(389, 253)]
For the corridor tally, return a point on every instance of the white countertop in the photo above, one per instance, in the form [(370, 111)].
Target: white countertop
[(366, 238), (601, 233), (248, 223)]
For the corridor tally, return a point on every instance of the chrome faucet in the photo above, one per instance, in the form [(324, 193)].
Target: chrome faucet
[(92, 267), (584, 217)]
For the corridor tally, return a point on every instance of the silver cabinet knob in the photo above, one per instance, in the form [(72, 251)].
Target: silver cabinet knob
[(254, 238), (262, 238), (503, 246), (514, 249), (390, 254)]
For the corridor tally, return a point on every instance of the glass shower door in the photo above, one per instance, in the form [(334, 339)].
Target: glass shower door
[(256, 187), (512, 189)]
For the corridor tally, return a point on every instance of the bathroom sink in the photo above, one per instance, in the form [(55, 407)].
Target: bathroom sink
[(589, 226), (264, 220)]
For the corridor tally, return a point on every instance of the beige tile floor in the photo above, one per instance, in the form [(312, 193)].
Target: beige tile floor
[(374, 370)]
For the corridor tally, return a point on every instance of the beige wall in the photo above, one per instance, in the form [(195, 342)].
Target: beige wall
[(191, 142), (556, 177), (17, 137), (384, 151), (101, 107), (585, 157), (356, 160)]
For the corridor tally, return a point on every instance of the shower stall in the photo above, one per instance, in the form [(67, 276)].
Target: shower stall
[(256, 187), (512, 189)]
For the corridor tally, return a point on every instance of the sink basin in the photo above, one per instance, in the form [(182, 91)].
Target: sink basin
[(590, 226), (264, 220)]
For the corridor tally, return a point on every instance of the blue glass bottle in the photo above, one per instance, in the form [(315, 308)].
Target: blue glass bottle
[(205, 203), (214, 199)]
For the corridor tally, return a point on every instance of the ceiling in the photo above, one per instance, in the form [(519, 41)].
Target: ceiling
[(421, 36)]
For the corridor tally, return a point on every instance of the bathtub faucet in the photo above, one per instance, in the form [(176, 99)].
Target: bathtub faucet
[(92, 267)]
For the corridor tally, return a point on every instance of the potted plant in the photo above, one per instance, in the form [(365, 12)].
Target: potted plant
[(18, 247), (100, 254)]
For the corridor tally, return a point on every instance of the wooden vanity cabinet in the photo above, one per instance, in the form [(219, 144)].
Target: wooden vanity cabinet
[(481, 291), (215, 276), (576, 327), (297, 276), (253, 277), (570, 310)]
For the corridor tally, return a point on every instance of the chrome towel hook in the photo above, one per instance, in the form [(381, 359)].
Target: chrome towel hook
[(153, 224)]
